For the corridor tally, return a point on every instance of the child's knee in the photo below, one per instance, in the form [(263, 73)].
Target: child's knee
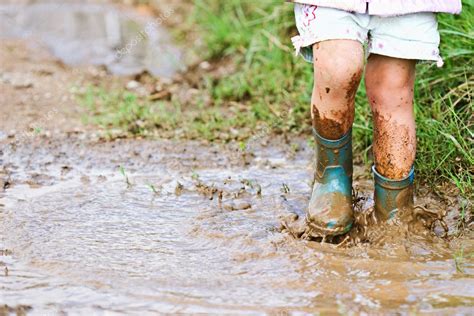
[(339, 76), (398, 92), (391, 98), (390, 87)]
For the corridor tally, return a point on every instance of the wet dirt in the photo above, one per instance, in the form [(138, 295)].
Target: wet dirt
[(394, 147), (353, 86), (333, 124), (87, 238), (136, 226), (329, 128), (323, 210)]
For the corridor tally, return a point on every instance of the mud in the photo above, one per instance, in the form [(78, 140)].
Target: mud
[(353, 86), (341, 120), (325, 209), (98, 240), (403, 201), (394, 148), (329, 128)]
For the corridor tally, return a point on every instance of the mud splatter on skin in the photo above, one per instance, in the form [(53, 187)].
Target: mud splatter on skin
[(394, 148), (329, 128), (353, 86), (336, 128)]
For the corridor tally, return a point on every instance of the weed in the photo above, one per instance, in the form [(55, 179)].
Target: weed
[(195, 176), (459, 260), (124, 174), (294, 147), (242, 146), (153, 189)]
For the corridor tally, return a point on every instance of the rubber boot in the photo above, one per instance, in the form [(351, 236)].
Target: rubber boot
[(392, 195), (330, 208)]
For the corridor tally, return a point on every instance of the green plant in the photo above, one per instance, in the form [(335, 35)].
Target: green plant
[(124, 174)]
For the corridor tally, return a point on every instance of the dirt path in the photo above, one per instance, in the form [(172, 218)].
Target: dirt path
[(36, 91)]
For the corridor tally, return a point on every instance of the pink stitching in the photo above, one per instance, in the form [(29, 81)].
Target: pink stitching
[(307, 13)]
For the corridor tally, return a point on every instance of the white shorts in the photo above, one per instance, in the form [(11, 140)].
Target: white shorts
[(409, 36)]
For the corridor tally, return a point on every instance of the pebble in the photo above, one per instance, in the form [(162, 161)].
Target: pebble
[(205, 65), (18, 81), (237, 205), (132, 85), (22, 84)]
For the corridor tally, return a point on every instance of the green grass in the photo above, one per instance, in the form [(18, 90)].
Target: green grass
[(270, 90)]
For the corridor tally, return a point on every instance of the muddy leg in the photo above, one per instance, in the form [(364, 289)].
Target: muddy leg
[(389, 82), (338, 67)]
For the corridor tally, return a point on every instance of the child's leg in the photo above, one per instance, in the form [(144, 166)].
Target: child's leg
[(389, 83), (338, 67), (395, 44)]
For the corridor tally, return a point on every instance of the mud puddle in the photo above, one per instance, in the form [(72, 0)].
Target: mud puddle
[(124, 40), (169, 237)]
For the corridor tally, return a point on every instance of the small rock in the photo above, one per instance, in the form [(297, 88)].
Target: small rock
[(438, 230), (242, 205), (85, 180), (292, 217), (237, 205), (132, 85), (166, 81), (101, 178), (4, 184), (22, 85), (295, 228), (205, 65)]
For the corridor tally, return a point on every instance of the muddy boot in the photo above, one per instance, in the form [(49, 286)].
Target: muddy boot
[(330, 208), (392, 195)]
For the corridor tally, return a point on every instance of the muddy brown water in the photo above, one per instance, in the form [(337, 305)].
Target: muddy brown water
[(91, 243), (121, 39)]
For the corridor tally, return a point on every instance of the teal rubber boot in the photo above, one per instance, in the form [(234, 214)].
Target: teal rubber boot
[(330, 208), (392, 195)]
